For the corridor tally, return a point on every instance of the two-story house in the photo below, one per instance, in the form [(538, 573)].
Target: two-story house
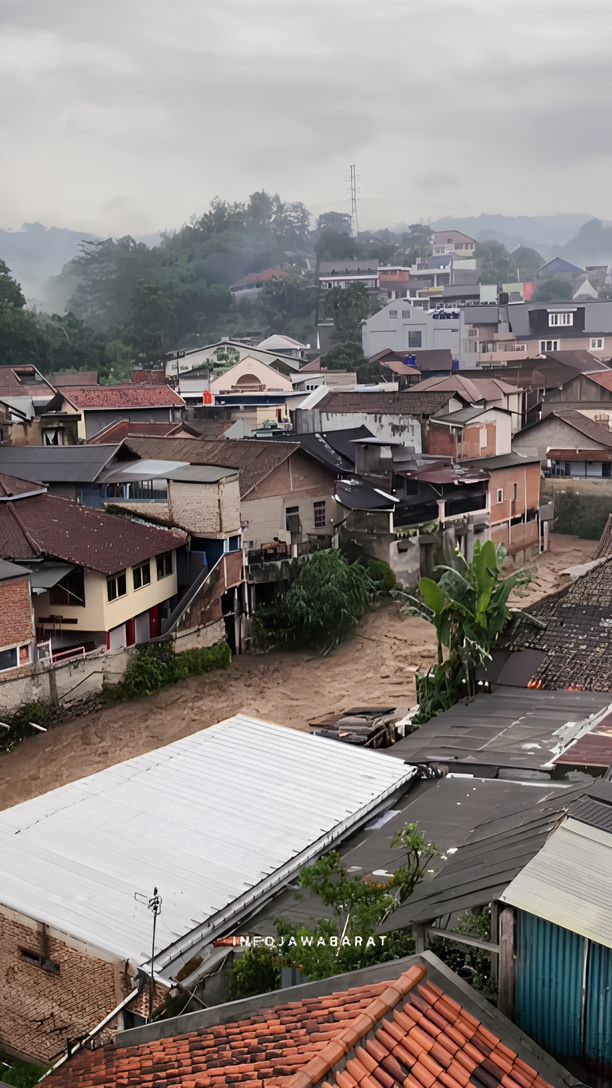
[(455, 242), (97, 580)]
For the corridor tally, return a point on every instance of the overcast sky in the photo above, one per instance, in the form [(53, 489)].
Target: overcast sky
[(129, 115)]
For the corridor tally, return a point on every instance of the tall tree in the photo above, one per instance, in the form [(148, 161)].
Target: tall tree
[(347, 307), (495, 264)]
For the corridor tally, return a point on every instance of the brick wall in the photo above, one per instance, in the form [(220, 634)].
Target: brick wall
[(464, 445), (478, 441), (441, 441), (16, 611), (39, 1011)]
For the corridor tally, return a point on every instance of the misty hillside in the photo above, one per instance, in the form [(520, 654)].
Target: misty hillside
[(591, 245), (35, 252), (546, 233)]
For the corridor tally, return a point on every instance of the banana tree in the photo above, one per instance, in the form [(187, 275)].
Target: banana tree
[(469, 608)]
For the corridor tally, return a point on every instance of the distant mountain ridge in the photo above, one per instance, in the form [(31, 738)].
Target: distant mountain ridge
[(546, 233)]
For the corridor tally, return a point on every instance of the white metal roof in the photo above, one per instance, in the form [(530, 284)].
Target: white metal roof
[(216, 821), (569, 882)]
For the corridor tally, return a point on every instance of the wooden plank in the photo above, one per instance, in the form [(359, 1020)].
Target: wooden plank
[(505, 1002)]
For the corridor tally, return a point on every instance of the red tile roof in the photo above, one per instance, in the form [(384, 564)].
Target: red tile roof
[(134, 395), (602, 378), (404, 1032), (49, 526)]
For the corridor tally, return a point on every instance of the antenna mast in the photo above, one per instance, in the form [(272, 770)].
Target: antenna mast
[(353, 185), (154, 904)]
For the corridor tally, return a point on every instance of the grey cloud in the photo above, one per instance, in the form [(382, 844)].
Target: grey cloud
[(458, 101)]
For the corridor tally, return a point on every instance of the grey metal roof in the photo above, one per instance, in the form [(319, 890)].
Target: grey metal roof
[(448, 811), (217, 820), (201, 474), (594, 807), (333, 448), (511, 728), (355, 495), (503, 460), (56, 464), (463, 415), (11, 570), (569, 882), (510, 830), (47, 574)]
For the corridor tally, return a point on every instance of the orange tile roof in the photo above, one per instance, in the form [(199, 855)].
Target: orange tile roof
[(404, 1032)]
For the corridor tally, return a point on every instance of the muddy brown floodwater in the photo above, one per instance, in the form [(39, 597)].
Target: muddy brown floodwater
[(376, 667)]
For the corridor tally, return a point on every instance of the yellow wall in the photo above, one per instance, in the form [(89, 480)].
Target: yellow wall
[(100, 614), (270, 379)]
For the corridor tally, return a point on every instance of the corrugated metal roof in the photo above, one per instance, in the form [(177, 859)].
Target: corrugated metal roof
[(595, 806), (512, 823), (508, 728), (214, 820), (569, 882)]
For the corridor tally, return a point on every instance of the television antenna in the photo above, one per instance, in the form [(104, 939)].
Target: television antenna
[(154, 904)]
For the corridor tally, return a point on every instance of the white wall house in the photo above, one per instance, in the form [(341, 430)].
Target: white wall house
[(400, 326)]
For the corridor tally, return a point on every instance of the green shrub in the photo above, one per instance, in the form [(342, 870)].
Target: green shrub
[(382, 575), (18, 1073), (19, 723), (326, 600), (581, 515), (155, 666)]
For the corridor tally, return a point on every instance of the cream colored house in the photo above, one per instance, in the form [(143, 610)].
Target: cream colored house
[(97, 579)]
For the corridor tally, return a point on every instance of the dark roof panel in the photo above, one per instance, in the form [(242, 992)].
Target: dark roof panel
[(57, 464), (408, 403)]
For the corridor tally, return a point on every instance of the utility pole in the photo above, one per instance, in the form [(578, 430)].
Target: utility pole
[(353, 185), (154, 904)]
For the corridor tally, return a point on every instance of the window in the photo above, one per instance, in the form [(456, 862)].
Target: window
[(320, 516), (292, 519), (405, 313), (37, 959), (164, 565), (560, 319), (597, 343), (515, 492), (500, 494), (549, 345), (116, 586), (142, 575), (392, 314), (8, 659), (415, 339), (483, 438)]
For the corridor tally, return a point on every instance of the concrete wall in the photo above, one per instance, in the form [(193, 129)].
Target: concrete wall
[(69, 683), (206, 509), (300, 482), (94, 421), (383, 330), (551, 433), (391, 427), (527, 481)]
